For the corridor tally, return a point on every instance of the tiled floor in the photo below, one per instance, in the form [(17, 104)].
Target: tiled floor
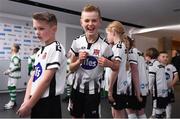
[(105, 108)]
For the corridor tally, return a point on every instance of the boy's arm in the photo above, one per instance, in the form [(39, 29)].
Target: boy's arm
[(28, 89), (175, 79), (112, 80), (135, 79), (25, 109), (75, 63), (104, 62)]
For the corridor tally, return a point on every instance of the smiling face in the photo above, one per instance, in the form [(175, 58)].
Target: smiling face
[(44, 31), (90, 21)]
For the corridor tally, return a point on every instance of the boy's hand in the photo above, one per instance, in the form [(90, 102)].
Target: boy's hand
[(6, 72), (83, 55), (24, 110), (110, 96), (103, 61)]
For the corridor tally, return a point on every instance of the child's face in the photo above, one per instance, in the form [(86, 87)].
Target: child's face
[(90, 21), (44, 31), (163, 58), (110, 37)]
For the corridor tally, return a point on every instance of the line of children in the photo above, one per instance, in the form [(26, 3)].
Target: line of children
[(90, 55)]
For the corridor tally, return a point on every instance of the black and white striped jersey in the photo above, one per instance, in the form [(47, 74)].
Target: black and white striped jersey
[(87, 78), (136, 57), (49, 57), (157, 79)]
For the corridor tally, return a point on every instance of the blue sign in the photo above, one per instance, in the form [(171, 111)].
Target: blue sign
[(38, 72)]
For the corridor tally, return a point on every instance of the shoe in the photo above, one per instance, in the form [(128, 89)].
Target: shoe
[(10, 105)]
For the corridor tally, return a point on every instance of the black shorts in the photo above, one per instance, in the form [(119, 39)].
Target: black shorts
[(120, 102), (171, 97), (84, 104), (49, 107), (135, 104), (161, 102)]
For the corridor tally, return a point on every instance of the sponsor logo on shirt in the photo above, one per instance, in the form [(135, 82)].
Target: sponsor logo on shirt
[(142, 86), (167, 76), (96, 52), (38, 72), (90, 63)]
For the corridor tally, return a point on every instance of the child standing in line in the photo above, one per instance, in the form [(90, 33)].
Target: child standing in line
[(14, 73), (42, 98), (139, 70), (157, 83), (171, 77), (90, 55), (117, 92)]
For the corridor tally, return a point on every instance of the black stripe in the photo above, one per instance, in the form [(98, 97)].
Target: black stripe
[(109, 58), (152, 73), (132, 61), (155, 87), (49, 64), (52, 87), (37, 4), (118, 57), (76, 54)]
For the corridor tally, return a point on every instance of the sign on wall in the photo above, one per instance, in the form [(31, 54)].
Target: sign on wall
[(20, 34)]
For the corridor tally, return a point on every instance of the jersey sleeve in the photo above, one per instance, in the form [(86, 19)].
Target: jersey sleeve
[(133, 57), (108, 53), (118, 52), (74, 48), (55, 57), (174, 70)]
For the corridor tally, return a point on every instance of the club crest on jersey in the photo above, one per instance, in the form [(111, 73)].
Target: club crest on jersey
[(44, 55), (38, 72), (167, 76), (90, 63), (96, 52), (142, 86)]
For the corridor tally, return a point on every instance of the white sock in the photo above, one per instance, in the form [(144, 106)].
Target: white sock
[(168, 111), (143, 116), (153, 112), (132, 116)]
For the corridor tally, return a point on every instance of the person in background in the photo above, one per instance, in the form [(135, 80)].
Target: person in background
[(171, 77), (117, 91), (14, 73), (176, 60), (157, 83), (31, 60), (139, 70), (90, 55), (42, 97)]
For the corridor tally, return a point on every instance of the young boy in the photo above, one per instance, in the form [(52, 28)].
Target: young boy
[(14, 73), (42, 98), (90, 55), (157, 83), (171, 77), (139, 71)]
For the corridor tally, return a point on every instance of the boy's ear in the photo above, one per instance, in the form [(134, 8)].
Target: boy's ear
[(54, 28)]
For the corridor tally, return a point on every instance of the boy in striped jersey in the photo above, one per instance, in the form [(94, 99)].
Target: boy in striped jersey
[(14, 73), (157, 83), (90, 56), (171, 77)]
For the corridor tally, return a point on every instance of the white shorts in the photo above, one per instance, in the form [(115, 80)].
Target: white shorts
[(12, 81)]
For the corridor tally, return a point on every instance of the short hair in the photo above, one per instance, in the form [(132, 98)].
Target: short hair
[(116, 26), (45, 16), (153, 53), (17, 47), (91, 8), (163, 52)]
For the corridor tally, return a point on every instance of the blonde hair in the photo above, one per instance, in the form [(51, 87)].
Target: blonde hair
[(45, 16), (117, 27), (91, 8)]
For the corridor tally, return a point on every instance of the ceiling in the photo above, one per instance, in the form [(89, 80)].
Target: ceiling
[(147, 13)]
